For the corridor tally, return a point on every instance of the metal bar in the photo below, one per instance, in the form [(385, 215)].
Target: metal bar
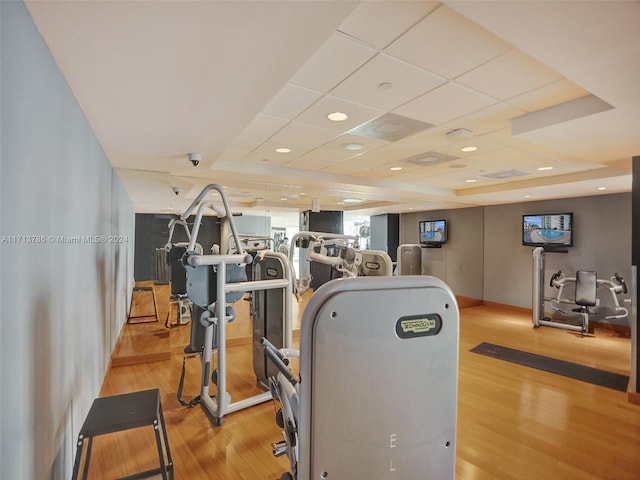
[(198, 199), (248, 402), (256, 285), (566, 326), (197, 260), (537, 301), (222, 343), (196, 225)]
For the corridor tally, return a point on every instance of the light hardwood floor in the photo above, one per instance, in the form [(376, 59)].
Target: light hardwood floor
[(513, 422)]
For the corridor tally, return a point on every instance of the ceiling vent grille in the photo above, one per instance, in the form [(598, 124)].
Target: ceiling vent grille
[(505, 174), (390, 127), (427, 159)]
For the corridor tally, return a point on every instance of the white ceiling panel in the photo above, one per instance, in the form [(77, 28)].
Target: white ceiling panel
[(257, 132), (447, 44), (559, 91), (301, 137), (495, 117), (335, 60), (317, 113), (379, 23), (335, 151), (291, 101), (445, 103), (511, 74), (386, 83)]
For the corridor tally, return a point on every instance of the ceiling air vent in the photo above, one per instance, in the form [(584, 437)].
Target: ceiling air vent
[(390, 127), (505, 174), (427, 159)]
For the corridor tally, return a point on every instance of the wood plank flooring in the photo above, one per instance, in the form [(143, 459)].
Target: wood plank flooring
[(513, 422)]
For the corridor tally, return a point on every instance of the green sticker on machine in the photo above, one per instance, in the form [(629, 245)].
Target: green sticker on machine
[(413, 326)]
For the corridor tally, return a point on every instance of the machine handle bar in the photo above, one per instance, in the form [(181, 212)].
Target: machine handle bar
[(278, 359)]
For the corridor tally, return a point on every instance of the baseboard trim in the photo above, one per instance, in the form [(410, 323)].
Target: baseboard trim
[(466, 302), (634, 397)]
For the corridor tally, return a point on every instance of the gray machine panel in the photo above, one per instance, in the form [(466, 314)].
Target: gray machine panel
[(379, 366), (409, 259)]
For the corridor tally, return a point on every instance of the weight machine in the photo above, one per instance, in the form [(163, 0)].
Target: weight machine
[(358, 334), (211, 286), (342, 254), (585, 298)]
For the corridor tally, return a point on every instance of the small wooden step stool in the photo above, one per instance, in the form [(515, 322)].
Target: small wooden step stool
[(124, 412)]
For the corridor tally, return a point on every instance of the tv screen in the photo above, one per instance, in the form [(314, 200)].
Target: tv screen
[(433, 233), (551, 230)]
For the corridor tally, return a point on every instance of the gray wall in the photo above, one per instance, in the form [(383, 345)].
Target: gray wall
[(485, 258), (460, 261), (602, 242), (64, 294)]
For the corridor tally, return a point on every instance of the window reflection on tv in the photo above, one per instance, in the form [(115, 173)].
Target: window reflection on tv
[(433, 232), (548, 230)]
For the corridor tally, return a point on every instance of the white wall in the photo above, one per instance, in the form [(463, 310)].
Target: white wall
[(62, 304)]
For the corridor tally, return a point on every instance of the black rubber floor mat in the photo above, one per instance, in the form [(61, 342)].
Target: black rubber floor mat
[(595, 376)]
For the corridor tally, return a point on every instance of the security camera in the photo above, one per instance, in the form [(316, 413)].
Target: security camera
[(195, 159), (176, 190)]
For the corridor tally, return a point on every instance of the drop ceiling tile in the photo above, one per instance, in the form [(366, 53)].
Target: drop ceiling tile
[(379, 23), (266, 153), (509, 75), (317, 113), (344, 168), (412, 145), (232, 154), (490, 119), (257, 132), (559, 91), (447, 44), (383, 170), (484, 146), (335, 152), (445, 103), (301, 137), (291, 101), (335, 60), (404, 82)]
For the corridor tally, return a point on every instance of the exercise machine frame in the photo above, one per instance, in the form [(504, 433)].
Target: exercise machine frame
[(216, 315), (615, 285)]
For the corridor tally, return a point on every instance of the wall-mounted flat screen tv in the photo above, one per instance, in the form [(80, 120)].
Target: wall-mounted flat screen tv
[(433, 233), (548, 230)]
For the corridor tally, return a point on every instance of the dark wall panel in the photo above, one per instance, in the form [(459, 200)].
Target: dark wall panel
[(152, 231)]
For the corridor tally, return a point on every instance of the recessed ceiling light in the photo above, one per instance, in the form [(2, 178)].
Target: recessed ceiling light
[(542, 169), (385, 85), (283, 150), (468, 149), (352, 200), (395, 169), (527, 196), (471, 180), (353, 146), (337, 116), (283, 198), (602, 188)]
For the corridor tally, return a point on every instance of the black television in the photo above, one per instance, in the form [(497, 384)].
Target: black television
[(549, 230), (433, 233)]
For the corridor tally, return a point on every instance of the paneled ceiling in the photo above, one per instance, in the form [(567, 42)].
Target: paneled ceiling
[(547, 92)]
